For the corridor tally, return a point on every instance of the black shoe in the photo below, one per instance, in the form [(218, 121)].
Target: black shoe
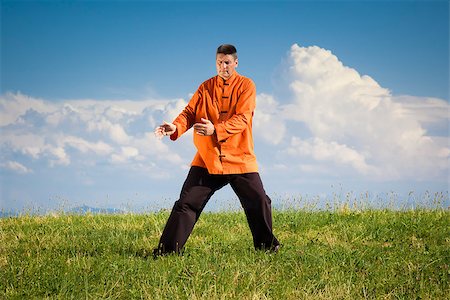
[(157, 252), (271, 249), (275, 248)]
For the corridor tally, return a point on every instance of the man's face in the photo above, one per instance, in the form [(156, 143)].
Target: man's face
[(225, 64)]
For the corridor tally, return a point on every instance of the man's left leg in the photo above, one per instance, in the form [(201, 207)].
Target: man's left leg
[(257, 206)]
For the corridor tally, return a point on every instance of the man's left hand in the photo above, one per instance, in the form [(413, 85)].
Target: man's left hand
[(205, 128)]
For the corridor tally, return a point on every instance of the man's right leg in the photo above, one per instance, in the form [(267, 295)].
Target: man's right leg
[(197, 190)]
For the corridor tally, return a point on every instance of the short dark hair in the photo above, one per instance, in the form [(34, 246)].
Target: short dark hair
[(227, 49)]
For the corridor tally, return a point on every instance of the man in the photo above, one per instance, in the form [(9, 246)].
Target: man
[(221, 112)]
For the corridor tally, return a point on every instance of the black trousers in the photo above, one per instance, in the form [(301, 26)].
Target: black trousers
[(198, 189)]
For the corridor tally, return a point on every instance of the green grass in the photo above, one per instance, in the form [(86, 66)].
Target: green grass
[(342, 254)]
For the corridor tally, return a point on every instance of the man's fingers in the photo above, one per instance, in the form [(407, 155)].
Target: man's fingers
[(159, 132), (206, 128), (164, 129), (199, 126), (167, 125)]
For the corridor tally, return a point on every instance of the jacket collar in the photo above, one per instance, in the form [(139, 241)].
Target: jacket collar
[(229, 81)]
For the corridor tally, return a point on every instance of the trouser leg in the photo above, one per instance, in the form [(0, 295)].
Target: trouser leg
[(197, 190), (257, 207)]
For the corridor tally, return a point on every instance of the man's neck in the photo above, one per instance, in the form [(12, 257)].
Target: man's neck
[(226, 79)]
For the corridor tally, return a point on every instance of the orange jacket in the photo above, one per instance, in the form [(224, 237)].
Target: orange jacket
[(229, 105)]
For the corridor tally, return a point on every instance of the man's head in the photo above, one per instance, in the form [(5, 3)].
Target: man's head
[(226, 60)]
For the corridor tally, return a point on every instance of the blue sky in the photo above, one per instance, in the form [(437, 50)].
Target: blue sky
[(83, 84)]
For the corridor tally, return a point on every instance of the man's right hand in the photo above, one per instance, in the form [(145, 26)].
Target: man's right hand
[(165, 129)]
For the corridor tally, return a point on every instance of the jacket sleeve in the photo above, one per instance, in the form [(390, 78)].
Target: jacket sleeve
[(245, 107), (186, 118)]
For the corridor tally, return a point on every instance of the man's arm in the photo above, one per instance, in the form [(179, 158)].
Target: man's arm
[(182, 123)]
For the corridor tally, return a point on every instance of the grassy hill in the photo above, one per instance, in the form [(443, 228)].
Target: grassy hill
[(342, 254)]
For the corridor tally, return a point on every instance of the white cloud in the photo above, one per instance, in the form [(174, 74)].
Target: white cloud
[(267, 125), (432, 113), (323, 151), (14, 105), (26, 143), (352, 120), (99, 148), (58, 156), (16, 167), (89, 132), (125, 154), (113, 131)]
